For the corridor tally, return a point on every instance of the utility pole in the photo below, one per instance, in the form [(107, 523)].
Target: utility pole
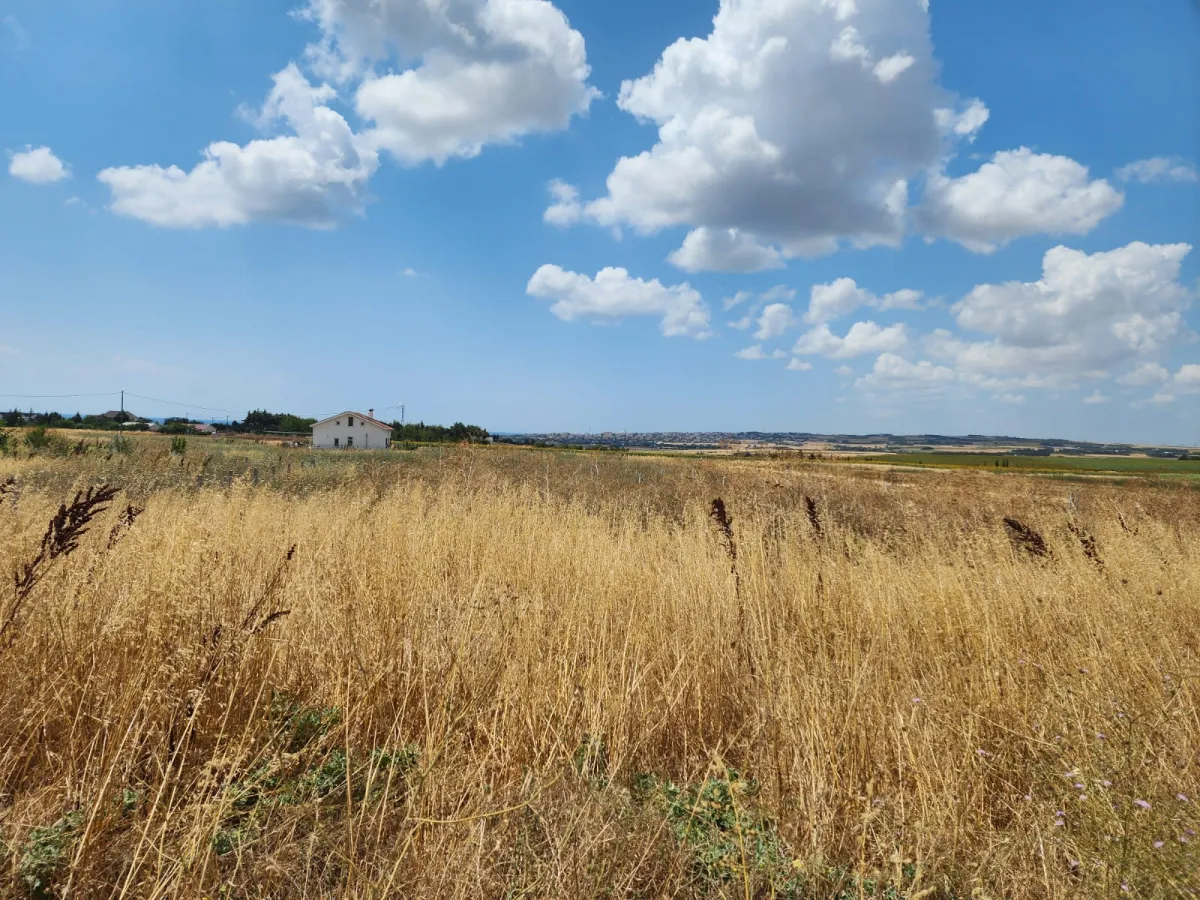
[(122, 406), (401, 414)]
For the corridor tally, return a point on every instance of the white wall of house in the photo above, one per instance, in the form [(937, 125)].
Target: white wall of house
[(338, 434)]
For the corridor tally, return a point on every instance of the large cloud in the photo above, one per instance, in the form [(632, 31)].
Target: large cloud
[(310, 177), (1018, 193), (469, 73), (794, 125), (613, 294), (1087, 314), (481, 71)]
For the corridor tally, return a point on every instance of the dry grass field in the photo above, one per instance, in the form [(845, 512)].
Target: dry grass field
[(500, 673)]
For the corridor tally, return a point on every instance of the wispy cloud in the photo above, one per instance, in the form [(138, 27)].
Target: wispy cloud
[(1160, 170), (18, 32)]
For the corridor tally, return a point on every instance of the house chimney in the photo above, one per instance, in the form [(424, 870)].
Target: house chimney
[(371, 413)]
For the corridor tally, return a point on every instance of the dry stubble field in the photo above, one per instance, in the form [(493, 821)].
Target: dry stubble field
[(479, 673)]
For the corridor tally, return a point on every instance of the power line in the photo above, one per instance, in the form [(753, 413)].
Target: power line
[(57, 396), (196, 406), (185, 405)]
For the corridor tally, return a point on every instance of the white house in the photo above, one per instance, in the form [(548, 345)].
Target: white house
[(351, 431)]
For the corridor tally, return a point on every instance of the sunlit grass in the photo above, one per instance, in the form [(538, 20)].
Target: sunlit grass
[(493, 672)]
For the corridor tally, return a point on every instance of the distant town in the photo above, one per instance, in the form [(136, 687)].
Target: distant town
[(750, 441)]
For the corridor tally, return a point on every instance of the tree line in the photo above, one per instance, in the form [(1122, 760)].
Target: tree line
[(257, 421), (420, 433), (14, 418)]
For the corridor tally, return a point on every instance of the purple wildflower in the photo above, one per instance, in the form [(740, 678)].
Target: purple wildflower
[(1182, 798), (1158, 845), (1141, 804)]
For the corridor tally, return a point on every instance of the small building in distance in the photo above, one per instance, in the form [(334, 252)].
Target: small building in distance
[(351, 431)]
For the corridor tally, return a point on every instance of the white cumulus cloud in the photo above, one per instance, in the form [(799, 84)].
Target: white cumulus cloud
[(843, 296), (894, 373), (1087, 314), (1187, 379), (613, 294), (862, 338), (1018, 193), (312, 176), (1095, 398), (793, 126), (1145, 374), (427, 79), (37, 165), (724, 250), (472, 72), (775, 319), (566, 209)]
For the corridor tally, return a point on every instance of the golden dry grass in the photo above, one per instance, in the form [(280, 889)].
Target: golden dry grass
[(500, 673)]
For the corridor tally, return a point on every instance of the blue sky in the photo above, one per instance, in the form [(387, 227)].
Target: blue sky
[(810, 215)]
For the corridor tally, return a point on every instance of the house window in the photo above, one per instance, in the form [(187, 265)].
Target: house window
[(351, 422), (350, 441), (335, 442)]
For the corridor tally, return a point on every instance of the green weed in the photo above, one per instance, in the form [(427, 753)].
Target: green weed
[(44, 852)]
